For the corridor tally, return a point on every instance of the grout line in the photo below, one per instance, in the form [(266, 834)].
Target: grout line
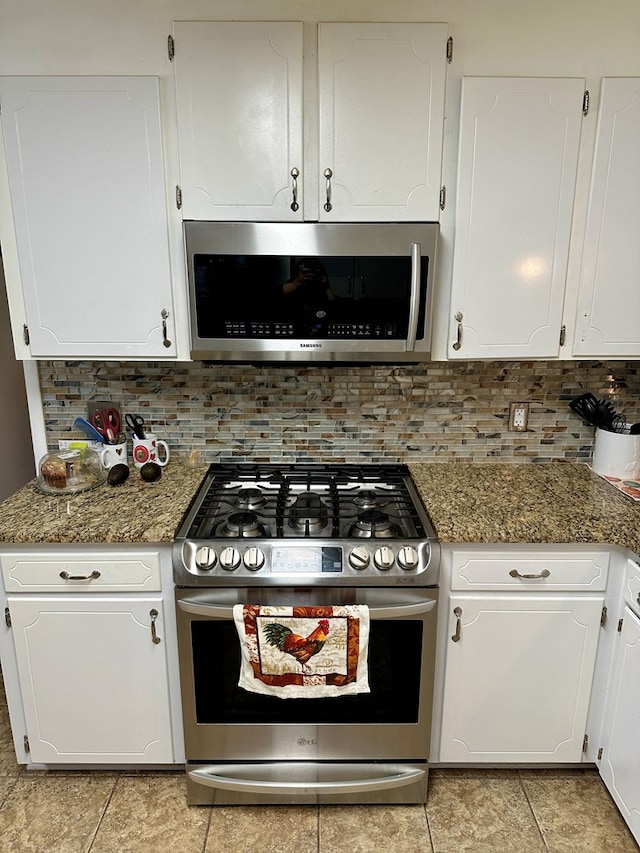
[(318, 828), (206, 835), (426, 814), (526, 795), (104, 811)]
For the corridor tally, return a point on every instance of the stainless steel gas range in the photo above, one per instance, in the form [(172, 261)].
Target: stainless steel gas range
[(307, 535)]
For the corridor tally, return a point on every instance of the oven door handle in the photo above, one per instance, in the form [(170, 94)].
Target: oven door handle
[(217, 776), (391, 611)]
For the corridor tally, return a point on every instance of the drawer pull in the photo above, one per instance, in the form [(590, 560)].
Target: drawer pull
[(457, 612), (543, 574), (154, 637), (92, 577)]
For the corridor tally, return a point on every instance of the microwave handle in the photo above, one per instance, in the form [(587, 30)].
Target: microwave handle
[(414, 299)]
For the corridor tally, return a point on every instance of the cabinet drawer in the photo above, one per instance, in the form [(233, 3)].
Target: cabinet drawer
[(555, 571), (116, 571)]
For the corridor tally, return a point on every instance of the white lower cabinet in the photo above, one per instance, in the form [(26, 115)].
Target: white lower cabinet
[(89, 655), (620, 743), (518, 640), (93, 678)]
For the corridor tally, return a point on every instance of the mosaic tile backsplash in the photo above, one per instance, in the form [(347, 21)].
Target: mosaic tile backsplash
[(420, 413)]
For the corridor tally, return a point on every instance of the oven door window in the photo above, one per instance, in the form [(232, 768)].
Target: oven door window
[(395, 649), (327, 298)]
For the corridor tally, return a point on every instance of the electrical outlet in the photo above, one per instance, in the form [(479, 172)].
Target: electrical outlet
[(518, 417)]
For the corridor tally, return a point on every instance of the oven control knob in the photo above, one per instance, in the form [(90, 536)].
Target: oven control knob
[(229, 559), (359, 558), (408, 558), (253, 559), (205, 557), (383, 558)]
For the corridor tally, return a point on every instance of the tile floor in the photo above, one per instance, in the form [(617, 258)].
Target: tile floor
[(468, 811)]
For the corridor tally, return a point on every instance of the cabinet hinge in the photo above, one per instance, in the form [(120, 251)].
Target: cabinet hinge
[(603, 616), (171, 48), (450, 49), (585, 102), (585, 743), (7, 617), (443, 197), (600, 751), (563, 335), (620, 621), (25, 334), (178, 196), (25, 741)]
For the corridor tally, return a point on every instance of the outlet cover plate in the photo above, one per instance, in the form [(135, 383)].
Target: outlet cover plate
[(518, 417)]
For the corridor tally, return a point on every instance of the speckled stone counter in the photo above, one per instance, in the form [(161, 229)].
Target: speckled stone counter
[(553, 503), (487, 503), (134, 512)]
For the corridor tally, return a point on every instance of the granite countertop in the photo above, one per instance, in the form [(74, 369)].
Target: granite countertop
[(485, 503), (134, 512), (560, 502)]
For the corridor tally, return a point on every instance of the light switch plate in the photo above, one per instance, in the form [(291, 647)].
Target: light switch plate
[(518, 417)]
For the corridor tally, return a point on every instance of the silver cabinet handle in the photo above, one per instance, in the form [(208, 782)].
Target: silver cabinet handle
[(165, 340), (328, 175), (414, 299), (457, 612), (295, 174), (543, 574), (154, 637), (95, 574), (458, 343)]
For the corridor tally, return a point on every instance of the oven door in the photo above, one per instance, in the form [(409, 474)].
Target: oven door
[(368, 747)]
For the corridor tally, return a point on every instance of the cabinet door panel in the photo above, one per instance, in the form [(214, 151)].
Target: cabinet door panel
[(518, 681), (239, 98), (381, 97), (621, 749), (609, 300), (518, 160), (94, 684), (85, 165)]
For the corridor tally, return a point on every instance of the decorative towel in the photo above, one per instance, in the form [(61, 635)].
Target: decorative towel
[(303, 652)]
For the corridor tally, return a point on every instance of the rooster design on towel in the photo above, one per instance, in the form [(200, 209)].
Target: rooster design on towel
[(301, 648)]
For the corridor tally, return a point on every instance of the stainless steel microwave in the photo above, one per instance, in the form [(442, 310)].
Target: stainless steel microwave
[(306, 292)]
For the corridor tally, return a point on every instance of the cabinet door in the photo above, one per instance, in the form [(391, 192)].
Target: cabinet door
[(381, 102), (518, 677), (620, 768), (517, 167), (609, 299), (239, 101), (94, 684), (84, 159)]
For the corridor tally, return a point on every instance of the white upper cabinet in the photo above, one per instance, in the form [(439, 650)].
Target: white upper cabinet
[(86, 180), (372, 102), (518, 155), (608, 315), (381, 111), (239, 102)]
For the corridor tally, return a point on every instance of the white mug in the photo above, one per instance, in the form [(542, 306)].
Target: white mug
[(113, 454), (147, 450)]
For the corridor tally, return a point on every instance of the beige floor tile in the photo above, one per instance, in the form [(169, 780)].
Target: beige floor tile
[(264, 829), (576, 815), (8, 764), (383, 829), (149, 814), (53, 813), (481, 814)]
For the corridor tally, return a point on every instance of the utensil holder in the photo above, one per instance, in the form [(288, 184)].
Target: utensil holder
[(617, 454)]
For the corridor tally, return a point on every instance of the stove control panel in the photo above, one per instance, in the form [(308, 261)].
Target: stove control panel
[(276, 562)]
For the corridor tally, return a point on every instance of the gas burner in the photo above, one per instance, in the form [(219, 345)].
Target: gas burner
[(308, 513), (367, 498), (373, 524), (249, 498), (242, 524)]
